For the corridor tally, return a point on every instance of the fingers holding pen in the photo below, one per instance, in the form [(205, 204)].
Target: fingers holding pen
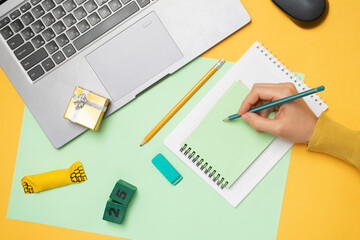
[(263, 92)]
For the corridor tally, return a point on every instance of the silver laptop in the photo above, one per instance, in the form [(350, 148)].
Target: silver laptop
[(115, 48)]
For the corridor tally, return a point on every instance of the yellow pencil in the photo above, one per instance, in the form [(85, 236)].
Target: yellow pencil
[(182, 102)]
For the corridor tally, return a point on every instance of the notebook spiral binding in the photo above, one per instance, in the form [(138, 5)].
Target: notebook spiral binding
[(202, 164), (300, 86)]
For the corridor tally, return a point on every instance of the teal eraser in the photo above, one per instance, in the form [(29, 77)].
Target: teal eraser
[(167, 169)]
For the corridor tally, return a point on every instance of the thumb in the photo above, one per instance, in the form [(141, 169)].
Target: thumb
[(260, 123)]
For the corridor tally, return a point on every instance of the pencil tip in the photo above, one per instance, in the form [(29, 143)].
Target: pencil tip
[(226, 119), (142, 143)]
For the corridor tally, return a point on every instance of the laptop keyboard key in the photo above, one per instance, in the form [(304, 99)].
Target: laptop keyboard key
[(24, 50), (38, 11), (59, 12), (114, 5), (36, 72), (143, 3), (83, 26), (69, 20), (69, 5), (48, 19), (48, 64), (15, 14), (27, 18), (34, 59), (104, 11), (25, 7), (93, 19), (59, 27), (34, 2), (79, 2), (80, 13), (48, 34), (17, 25), (62, 40), (58, 57), (15, 41), (4, 21), (38, 41), (48, 5), (101, 2), (58, 1), (51, 47), (69, 50), (106, 25), (72, 33), (125, 1), (6, 32), (27, 33), (38, 26), (90, 6)]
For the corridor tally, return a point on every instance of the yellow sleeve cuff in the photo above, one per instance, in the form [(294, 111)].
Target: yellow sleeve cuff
[(334, 139)]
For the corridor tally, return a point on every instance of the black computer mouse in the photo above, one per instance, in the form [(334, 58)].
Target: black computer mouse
[(303, 10)]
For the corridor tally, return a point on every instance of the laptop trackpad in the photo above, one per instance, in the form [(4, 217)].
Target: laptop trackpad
[(134, 56)]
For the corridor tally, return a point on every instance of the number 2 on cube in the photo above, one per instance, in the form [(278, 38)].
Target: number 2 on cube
[(116, 213)]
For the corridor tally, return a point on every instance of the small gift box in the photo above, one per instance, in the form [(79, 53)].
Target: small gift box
[(86, 108)]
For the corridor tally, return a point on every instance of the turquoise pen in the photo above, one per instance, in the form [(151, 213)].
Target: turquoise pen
[(279, 102)]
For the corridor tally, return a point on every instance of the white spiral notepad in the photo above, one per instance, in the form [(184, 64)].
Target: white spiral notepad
[(257, 65)]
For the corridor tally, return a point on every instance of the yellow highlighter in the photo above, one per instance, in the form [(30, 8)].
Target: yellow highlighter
[(53, 179)]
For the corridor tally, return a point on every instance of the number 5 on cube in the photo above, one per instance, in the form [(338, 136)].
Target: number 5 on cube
[(122, 192)]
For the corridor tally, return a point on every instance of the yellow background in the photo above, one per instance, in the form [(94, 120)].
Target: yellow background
[(322, 194)]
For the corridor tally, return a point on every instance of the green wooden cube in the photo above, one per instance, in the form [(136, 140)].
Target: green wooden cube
[(114, 212), (122, 192)]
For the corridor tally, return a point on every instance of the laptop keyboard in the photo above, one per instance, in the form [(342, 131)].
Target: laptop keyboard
[(44, 33)]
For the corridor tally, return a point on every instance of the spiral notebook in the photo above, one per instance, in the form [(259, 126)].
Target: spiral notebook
[(226, 149), (257, 65)]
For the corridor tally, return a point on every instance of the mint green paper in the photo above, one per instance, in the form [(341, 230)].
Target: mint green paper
[(228, 147), (300, 76), (158, 210)]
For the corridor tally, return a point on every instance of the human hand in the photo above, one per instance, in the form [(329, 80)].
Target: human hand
[(293, 121)]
